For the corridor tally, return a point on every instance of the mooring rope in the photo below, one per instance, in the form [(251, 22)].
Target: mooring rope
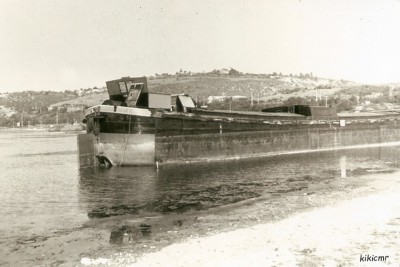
[(126, 140)]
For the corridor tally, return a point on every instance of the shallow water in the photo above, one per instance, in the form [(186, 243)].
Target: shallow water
[(43, 190), (38, 183)]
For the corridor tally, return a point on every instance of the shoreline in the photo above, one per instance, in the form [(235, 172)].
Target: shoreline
[(250, 229)]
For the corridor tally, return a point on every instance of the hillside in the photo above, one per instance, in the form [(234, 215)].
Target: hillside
[(263, 87), (228, 91), (244, 85), (86, 100)]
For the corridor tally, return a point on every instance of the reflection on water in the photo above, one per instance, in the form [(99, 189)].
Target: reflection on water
[(146, 190), (343, 172)]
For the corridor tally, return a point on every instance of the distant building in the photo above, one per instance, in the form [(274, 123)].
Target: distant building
[(74, 108), (224, 71), (374, 95)]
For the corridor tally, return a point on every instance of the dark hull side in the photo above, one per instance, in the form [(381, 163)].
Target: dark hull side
[(187, 148), (172, 138)]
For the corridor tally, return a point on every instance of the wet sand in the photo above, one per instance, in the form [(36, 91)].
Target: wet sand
[(310, 227)]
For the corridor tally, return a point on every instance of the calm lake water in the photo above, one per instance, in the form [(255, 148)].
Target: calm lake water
[(43, 190)]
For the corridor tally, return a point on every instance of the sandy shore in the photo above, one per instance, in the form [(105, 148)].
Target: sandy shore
[(344, 233)]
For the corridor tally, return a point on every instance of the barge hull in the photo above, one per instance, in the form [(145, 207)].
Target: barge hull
[(127, 149), (86, 150), (148, 149), (228, 146)]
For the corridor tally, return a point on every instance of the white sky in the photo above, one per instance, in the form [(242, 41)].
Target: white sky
[(72, 44)]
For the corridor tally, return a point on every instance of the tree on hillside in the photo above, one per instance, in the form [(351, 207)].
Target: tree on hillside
[(233, 72), (295, 101), (344, 105)]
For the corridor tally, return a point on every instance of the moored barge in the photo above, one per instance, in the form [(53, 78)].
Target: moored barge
[(138, 127)]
